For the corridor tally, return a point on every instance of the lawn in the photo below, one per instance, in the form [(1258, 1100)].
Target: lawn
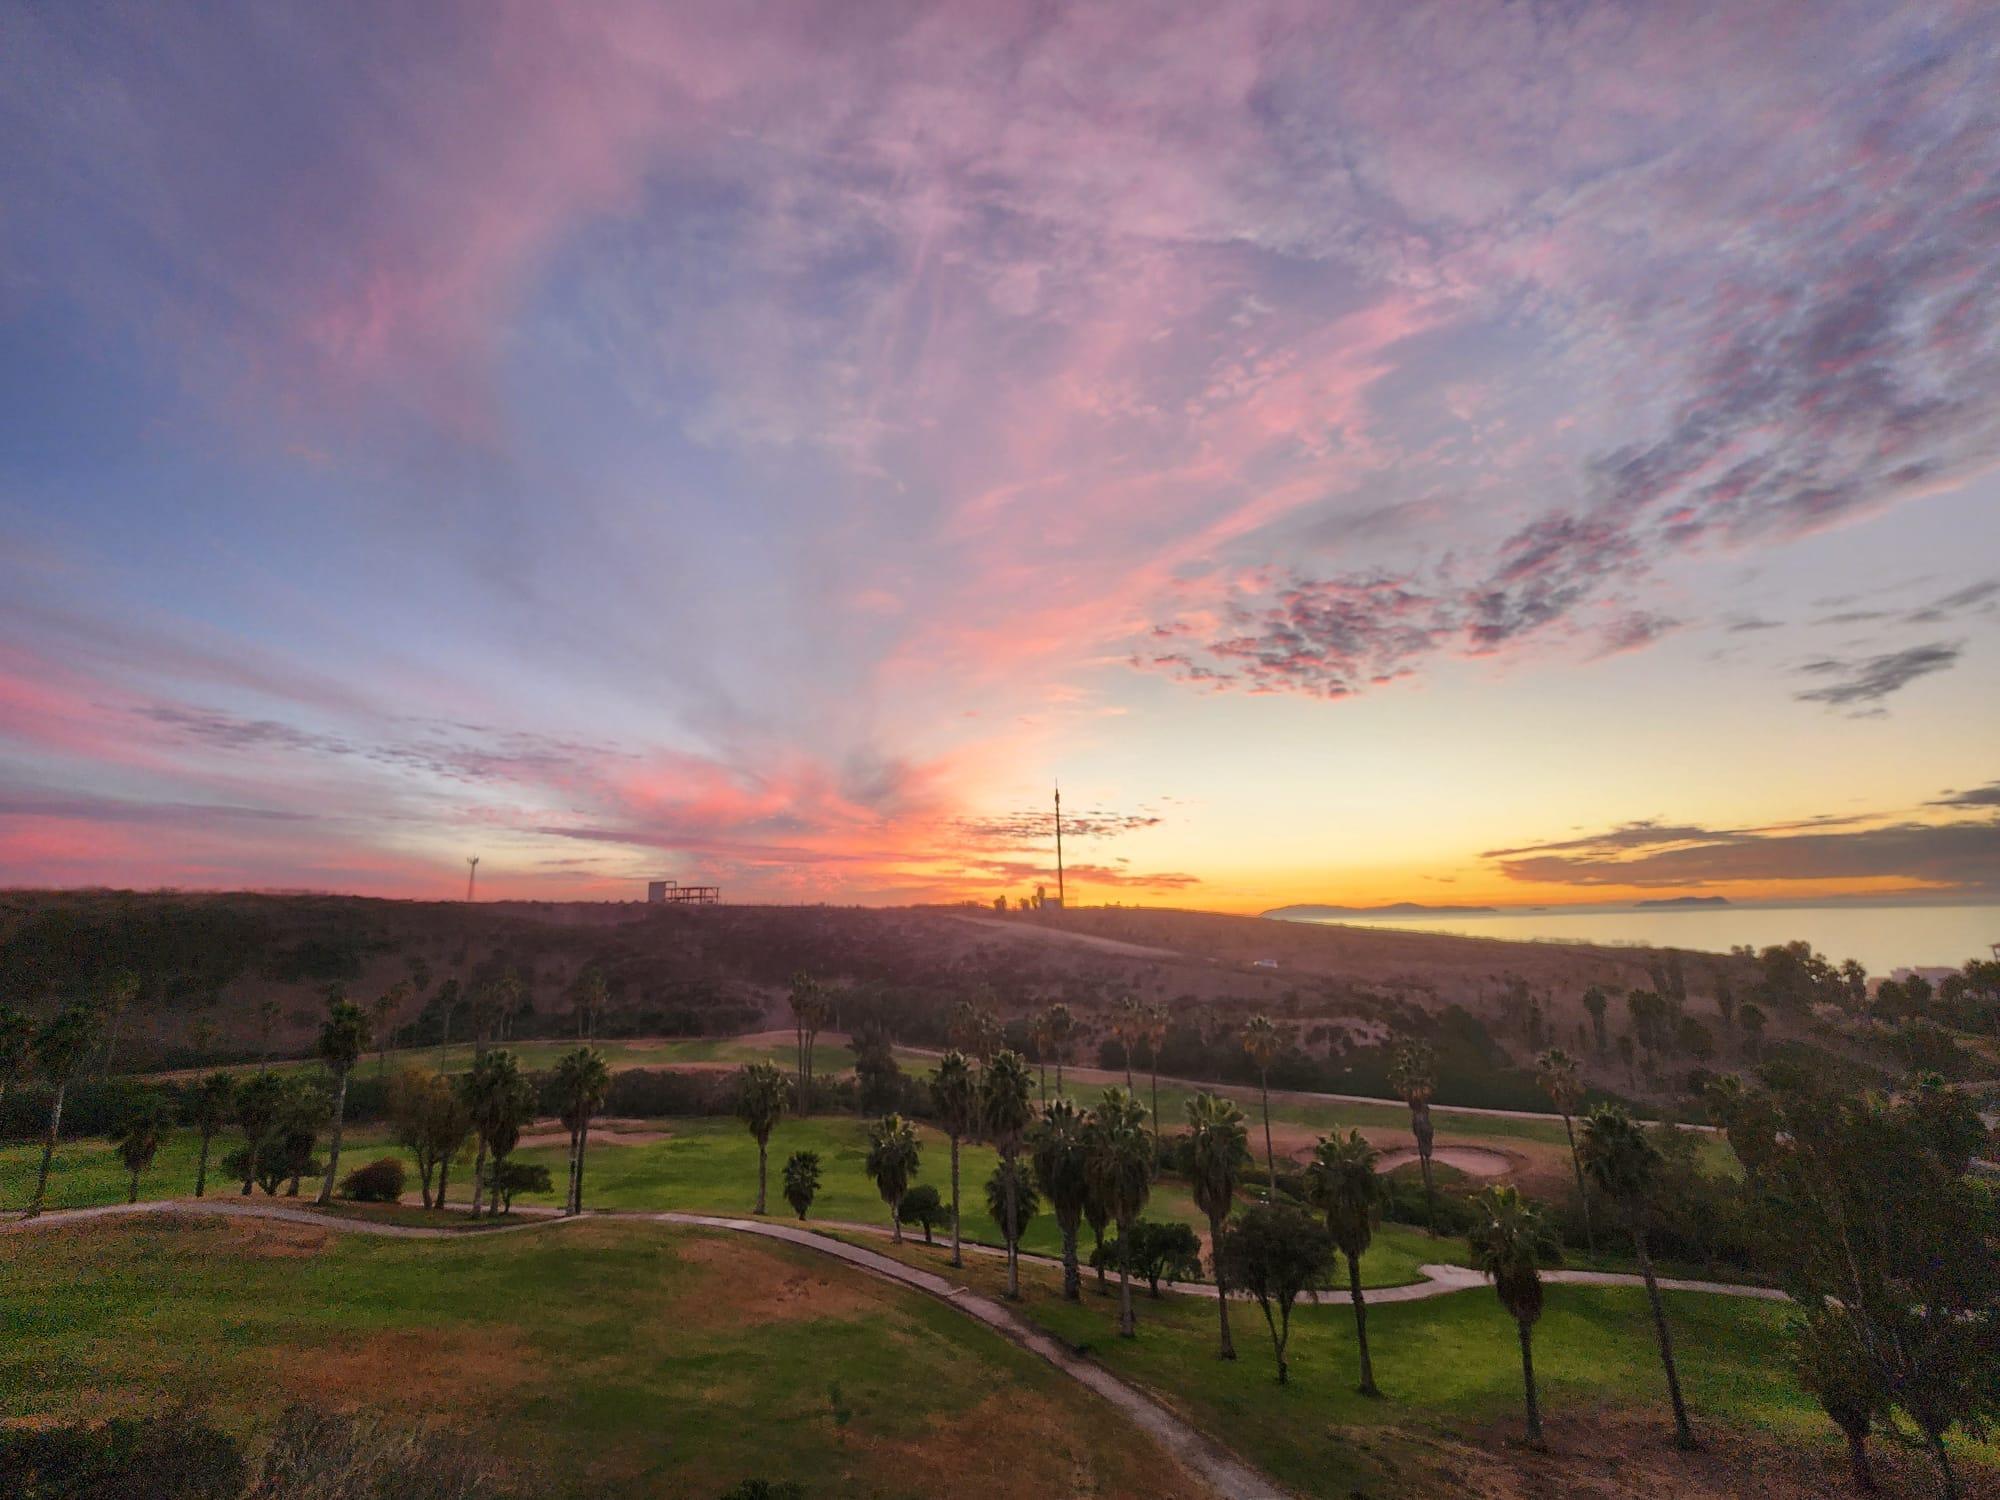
[(595, 1358), (702, 1166)]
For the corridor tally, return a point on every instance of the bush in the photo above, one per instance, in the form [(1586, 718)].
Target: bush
[(381, 1181), (922, 1206), (764, 1489), (512, 1177), (175, 1457)]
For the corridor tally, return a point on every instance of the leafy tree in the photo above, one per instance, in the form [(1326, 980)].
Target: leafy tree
[(1342, 1183), (1011, 1200), (1120, 1164), (511, 1177), (1413, 1076), (431, 1120), (812, 1008), (1750, 1020), (138, 1137), (1058, 1153), (302, 1114), (581, 1085), (342, 1039), (119, 994), (801, 1181), (1509, 1242), (1154, 1251), (1216, 1150), (589, 1001), (1006, 1113), (1277, 1254), (1831, 1362), (60, 1049), (210, 1107), (1562, 1081), (280, 1117), (1622, 1162), (1128, 1024), (762, 1092), (268, 1011), (1595, 1003), (893, 1159), (1260, 1044), (878, 1077), (955, 1096), (387, 1006)]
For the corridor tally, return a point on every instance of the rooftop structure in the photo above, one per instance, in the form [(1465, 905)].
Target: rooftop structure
[(673, 893)]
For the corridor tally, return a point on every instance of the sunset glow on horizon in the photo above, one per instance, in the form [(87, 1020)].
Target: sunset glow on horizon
[(1472, 455)]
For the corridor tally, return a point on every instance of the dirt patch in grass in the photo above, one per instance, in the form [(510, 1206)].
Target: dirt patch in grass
[(260, 1239), (421, 1369), (1613, 1455), (1018, 1443), (745, 1284)]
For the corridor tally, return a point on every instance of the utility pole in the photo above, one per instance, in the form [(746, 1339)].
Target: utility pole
[(1062, 896), (471, 873)]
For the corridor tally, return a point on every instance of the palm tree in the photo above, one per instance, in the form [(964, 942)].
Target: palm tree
[(1156, 1038), (1595, 1003), (1121, 1174), (892, 1161), (1261, 1042), (1217, 1151), (1622, 1162), (60, 1048), (213, 1102), (955, 1092), (1341, 1182), (592, 995), (1038, 1038), (490, 1089), (1057, 1150), (1061, 1027), (1006, 1113), (118, 997), (1562, 1081), (138, 1139), (582, 1085), (260, 1107), (385, 1009), (342, 1038), (1508, 1241), (801, 1181), (1128, 1023), (1011, 1201), (17, 1047), (268, 1012), (761, 1095), (1414, 1078), (804, 1000)]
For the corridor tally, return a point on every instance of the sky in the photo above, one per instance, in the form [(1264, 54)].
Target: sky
[(1469, 453)]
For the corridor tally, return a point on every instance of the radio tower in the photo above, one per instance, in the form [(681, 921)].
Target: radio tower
[(471, 873), (1062, 896)]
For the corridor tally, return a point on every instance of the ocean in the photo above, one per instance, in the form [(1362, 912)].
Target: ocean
[(1882, 938)]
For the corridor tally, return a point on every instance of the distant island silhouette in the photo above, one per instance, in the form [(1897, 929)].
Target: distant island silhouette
[(1398, 909), (1668, 902)]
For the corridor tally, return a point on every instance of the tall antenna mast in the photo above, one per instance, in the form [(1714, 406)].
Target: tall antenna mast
[(1062, 896), (471, 873)]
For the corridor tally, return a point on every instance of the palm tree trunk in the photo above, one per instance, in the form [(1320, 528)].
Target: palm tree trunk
[(1582, 1192), (479, 1177), (569, 1188), (1156, 1115), (444, 1176), (1528, 1380), (1270, 1159), (1368, 1386), (48, 1150), (1072, 1276), (582, 1154), (133, 1196), (896, 1220), (1683, 1434), (1857, 1460), (763, 1156), (1430, 1193), (1043, 1063), (1059, 1075), (1126, 1328), (201, 1167), (1013, 1231), (333, 1150), (1221, 1288), (957, 1255)]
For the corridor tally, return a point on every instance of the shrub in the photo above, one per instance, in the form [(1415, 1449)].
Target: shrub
[(512, 1177), (765, 1489), (176, 1457), (380, 1181), (922, 1206)]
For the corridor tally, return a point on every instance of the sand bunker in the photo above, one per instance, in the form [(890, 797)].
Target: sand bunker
[(1471, 1160)]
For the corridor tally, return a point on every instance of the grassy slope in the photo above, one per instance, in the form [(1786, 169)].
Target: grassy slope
[(597, 1358)]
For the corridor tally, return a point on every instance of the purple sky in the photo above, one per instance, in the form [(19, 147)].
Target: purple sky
[(1524, 452)]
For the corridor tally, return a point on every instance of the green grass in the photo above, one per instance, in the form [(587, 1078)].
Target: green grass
[(595, 1358)]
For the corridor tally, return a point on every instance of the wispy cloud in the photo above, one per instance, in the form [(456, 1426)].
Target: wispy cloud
[(1867, 681)]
